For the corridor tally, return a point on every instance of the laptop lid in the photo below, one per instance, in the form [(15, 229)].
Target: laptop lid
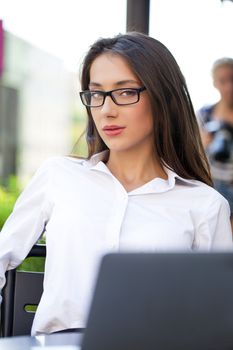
[(162, 301)]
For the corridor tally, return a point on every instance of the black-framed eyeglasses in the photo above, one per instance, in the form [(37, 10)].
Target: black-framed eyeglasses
[(121, 97)]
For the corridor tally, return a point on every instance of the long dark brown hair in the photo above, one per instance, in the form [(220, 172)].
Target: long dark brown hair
[(177, 139)]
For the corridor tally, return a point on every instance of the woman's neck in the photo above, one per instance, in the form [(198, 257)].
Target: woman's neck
[(134, 170), (224, 111)]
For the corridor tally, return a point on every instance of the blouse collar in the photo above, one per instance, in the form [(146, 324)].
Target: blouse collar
[(96, 162)]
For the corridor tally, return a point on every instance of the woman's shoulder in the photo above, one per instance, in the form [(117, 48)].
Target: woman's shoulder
[(205, 113), (65, 160), (208, 195), (61, 164), (198, 191)]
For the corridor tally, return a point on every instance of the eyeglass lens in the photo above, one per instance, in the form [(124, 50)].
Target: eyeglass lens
[(119, 96)]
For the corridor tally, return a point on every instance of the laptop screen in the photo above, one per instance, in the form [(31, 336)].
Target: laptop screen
[(162, 301)]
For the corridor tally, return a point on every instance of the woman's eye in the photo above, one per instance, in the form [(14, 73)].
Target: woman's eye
[(96, 95), (128, 93)]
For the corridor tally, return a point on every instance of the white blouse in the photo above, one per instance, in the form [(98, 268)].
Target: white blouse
[(86, 212)]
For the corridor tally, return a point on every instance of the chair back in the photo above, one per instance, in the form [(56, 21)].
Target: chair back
[(21, 295)]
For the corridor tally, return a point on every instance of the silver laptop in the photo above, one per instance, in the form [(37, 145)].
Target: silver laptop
[(167, 301)]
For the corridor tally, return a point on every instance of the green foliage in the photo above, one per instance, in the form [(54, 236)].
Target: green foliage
[(8, 195), (32, 264), (78, 135)]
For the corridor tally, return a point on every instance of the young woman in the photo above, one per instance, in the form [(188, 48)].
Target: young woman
[(145, 185)]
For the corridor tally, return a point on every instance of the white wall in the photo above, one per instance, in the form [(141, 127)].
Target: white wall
[(197, 32)]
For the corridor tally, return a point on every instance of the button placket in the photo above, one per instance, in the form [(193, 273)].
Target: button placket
[(115, 222)]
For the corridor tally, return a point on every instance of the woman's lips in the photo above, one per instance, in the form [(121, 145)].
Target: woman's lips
[(113, 130)]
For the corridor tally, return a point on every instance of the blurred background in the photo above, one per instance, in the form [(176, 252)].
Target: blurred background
[(42, 44)]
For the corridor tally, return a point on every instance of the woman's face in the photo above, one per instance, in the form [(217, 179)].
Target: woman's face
[(223, 81), (122, 128)]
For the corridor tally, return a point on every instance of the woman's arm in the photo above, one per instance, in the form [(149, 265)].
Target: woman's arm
[(214, 230), (27, 221)]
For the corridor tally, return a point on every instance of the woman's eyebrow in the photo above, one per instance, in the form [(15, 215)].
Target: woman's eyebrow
[(118, 83), (92, 83), (128, 81)]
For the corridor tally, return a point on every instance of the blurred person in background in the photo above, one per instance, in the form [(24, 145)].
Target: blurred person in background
[(216, 122), (145, 185)]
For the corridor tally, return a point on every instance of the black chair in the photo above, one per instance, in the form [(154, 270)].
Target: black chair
[(21, 294)]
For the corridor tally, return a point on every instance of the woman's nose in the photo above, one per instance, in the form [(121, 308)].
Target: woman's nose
[(109, 107)]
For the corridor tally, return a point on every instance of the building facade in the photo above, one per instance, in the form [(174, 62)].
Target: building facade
[(37, 101)]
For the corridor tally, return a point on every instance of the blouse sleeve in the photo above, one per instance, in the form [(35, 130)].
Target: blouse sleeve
[(214, 231), (27, 221)]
